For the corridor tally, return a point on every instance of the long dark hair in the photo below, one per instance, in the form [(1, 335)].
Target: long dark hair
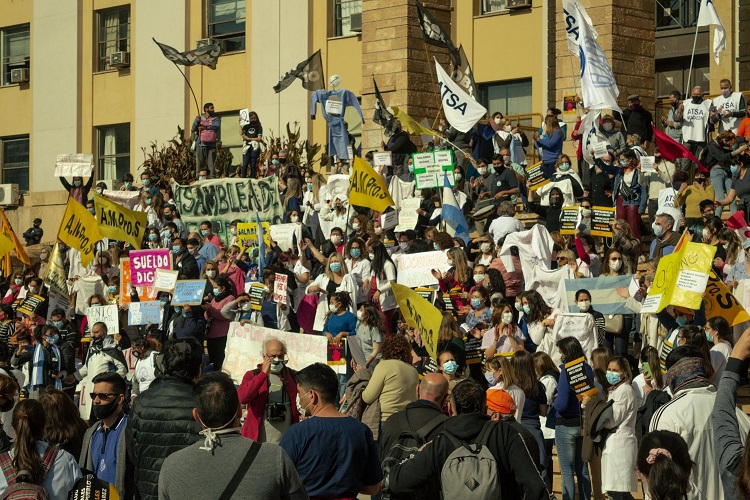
[(668, 477), (696, 337), (571, 349), (373, 317), (539, 308), (526, 378), (380, 257), (29, 421), (650, 355)]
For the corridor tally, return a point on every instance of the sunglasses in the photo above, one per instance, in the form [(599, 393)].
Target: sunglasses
[(103, 396)]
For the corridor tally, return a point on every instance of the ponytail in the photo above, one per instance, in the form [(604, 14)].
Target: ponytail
[(28, 422), (667, 480)]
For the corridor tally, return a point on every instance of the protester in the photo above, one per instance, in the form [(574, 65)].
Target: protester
[(219, 319), (394, 380), (65, 428), (207, 131)]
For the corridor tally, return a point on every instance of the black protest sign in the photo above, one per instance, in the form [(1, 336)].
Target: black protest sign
[(601, 221), (568, 220), (579, 380)]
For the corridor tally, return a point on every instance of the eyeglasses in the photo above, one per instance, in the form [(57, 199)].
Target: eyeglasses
[(103, 396)]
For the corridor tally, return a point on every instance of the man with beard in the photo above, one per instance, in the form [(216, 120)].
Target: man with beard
[(207, 128)]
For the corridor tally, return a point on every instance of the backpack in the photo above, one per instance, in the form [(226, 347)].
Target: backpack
[(21, 490), (470, 471), (405, 447), (207, 135)]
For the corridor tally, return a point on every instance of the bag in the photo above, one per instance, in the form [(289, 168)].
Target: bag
[(239, 475), (470, 471), (21, 490), (207, 135), (613, 323), (405, 447)]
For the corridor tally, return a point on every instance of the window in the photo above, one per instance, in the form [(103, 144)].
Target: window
[(15, 49), (114, 151), (509, 98), (672, 74), (490, 6), (15, 161), (671, 14), (343, 11), (226, 21), (114, 34)]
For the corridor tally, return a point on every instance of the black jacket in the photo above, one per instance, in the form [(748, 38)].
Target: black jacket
[(513, 447), (187, 267), (160, 423), (192, 324), (637, 121), (419, 413)]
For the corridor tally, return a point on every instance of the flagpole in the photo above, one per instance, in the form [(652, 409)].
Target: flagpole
[(692, 57), (434, 75), (190, 87)]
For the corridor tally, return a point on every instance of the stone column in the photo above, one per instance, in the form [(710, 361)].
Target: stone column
[(394, 52), (743, 57)]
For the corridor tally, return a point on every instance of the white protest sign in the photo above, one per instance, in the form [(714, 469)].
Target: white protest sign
[(647, 164), (578, 325), (389, 220), (74, 165), (279, 288), (600, 149), (245, 343), (57, 300), (407, 215), (106, 315), (128, 199), (382, 159), (283, 235), (244, 117), (165, 280), (416, 269), (423, 160)]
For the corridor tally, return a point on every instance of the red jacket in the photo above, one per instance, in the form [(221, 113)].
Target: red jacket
[(253, 392)]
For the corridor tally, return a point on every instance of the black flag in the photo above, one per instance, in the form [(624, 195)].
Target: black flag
[(206, 55), (310, 71), (463, 76), (434, 34), (382, 116)]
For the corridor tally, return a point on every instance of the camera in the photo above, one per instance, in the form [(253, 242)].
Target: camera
[(697, 231), (276, 412)]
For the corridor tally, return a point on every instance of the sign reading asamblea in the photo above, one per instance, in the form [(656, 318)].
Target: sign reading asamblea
[(220, 201)]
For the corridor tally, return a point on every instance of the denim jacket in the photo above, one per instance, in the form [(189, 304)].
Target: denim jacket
[(640, 195)]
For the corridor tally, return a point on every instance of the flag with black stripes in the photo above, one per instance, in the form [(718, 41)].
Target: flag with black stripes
[(381, 116), (206, 55), (434, 34), (463, 75), (310, 71)]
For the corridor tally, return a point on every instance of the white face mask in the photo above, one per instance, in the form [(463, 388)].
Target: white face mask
[(586, 212), (355, 226), (378, 230), (211, 274), (485, 247), (335, 239), (301, 410), (360, 315), (615, 264), (584, 305), (371, 256), (507, 128), (507, 318), (459, 177), (294, 218), (482, 170), (607, 127), (333, 308), (498, 121), (726, 92), (479, 278)]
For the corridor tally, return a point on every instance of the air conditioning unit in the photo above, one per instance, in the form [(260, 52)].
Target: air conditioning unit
[(203, 42), (9, 194), (19, 75), (119, 59), (518, 4), (355, 21)]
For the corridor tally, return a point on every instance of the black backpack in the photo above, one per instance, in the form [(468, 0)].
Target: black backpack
[(404, 448)]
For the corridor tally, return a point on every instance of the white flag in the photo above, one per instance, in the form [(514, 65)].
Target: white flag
[(570, 9), (597, 80), (590, 134), (461, 110), (707, 17)]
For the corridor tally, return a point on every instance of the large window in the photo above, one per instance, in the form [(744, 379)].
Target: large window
[(509, 98), (225, 20), (490, 6), (114, 34), (114, 151), (15, 49), (15, 161), (343, 10), (671, 14), (672, 74)]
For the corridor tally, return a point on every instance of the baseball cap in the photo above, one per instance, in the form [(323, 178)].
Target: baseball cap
[(500, 401)]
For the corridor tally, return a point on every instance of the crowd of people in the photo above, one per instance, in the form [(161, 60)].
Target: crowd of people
[(478, 414)]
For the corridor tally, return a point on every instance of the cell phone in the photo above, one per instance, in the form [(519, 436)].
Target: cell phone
[(646, 369)]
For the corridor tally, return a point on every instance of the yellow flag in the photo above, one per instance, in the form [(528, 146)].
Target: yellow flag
[(421, 315), (7, 231), (79, 230), (55, 276), (721, 302), (368, 189), (410, 124), (120, 223)]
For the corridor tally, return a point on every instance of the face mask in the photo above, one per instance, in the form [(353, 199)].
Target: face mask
[(490, 377), (476, 303), (128, 184), (153, 236), (371, 256), (507, 318), (277, 365), (623, 163), (294, 218), (478, 278), (607, 127), (176, 249), (681, 321), (204, 232), (216, 292), (735, 169), (103, 411), (57, 324), (726, 92), (333, 308), (519, 307), (53, 339), (274, 162), (112, 289), (459, 177), (709, 337), (485, 247), (404, 245), (309, 186), (526, 310), (564, 167), (586, 212), (584, 305), (302, 411), (697, 99), (411, 169), (178, 310), (450, 262), (99, 192), (282, 161), (335, 239), (435, 246), (77, 183), (482, 170), (498, 121), (700, 180), (450, 367), (18, 281), (658, 230), (360, 315), (355, 226), (355, 253), (146, 182), (94, 305), (613, 378), (335, 266), (92, 211), (163, 301), (32, 290), (555, 201), (202, 178), (378, 230)]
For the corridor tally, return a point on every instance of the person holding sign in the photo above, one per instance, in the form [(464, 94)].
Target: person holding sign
[(382, 274), (216, 340), (78, 190), (336, 278)]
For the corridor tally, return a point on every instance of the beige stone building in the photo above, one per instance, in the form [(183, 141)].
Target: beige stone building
[(84, 75)]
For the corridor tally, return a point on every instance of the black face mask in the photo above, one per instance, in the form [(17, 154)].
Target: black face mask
[(675, 104), (103, 411), (282, 160), (8, 405), (697, 100), (555, 202), (657, 159)]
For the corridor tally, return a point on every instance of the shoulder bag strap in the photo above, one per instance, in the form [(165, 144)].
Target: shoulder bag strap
[(431, 426), (240, 474), (484, 434)]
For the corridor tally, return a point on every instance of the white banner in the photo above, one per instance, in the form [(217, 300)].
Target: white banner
[(597, 80), (283, 235), (105, 314), (460, 109), (707, 17), (578, 325), (74, 165), (572, 29), (416, 269), (128, 199)]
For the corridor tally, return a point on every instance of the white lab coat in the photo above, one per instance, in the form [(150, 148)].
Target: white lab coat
[(347, 285), (360, 272), (619, 455)]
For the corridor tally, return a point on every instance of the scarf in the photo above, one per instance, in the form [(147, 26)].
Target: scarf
[(39, 365), (686, 371)]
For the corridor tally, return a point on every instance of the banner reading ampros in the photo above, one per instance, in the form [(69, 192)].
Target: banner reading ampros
[(220, 201)]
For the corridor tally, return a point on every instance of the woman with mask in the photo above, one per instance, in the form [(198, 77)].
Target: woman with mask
[(425, 211), (152, 239), (504, 336), (552, 211), (16, 285), (583, 301), (7, 327), (506, 379), (358, 223), (333, 214), (400, 146), (188, 321), (359, 268), (78, 190), (313, 200), (336, 278), (616, 326), (740, 187), (378, 288), (252, 137), (145, 351), (340, 323), (717, 159), (457, 281), (44, 360), (151, 205), (625, 243), (690, 196), (65, 428), (540, 318), (721, 341), (370, 332), (487, 252), (210, 273), (234, 269), (629, 194), (550, 144), (450, 339), (292, 198), (216, 339), (613, 135), (567, 180), (479, 319)]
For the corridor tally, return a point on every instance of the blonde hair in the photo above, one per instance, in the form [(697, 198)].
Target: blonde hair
[(460, 264), (335, 257)]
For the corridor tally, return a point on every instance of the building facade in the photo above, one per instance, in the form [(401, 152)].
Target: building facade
[(84, 76)]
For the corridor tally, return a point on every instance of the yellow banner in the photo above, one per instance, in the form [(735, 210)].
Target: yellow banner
[(410, 124), (721, 302), (681, 278), (421, 315), (7, 260), (120, 223), (248, 231), (79, 230), (55, 276), (368, 189)]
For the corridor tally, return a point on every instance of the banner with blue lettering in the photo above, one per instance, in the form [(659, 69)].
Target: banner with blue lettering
[(460, 109)]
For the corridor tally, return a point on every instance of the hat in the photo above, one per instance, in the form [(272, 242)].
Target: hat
[(633, 97), (37, 221), (500, 401)]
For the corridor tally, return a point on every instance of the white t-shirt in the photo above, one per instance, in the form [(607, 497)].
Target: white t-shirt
[(719, 356), (731, 103), (695, 120), (503, 226)]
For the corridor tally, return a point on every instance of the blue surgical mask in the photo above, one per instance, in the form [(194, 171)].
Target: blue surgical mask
[(57, 324), (148, 201), (411, 168), (476, 303), (709, 337), (77, 183), (564, 166), (526, 310), (613, 378), (178, 309), (176, 249), (128, 184), (216, 292), (146, 182), (735, 169), (204, 232), (681, 320), (450, 367), (309, 186), (163, 300), (355, 253), (152, 236), (112, 289), (490, 377), (274, 162), (435, 246), (404, 245), (335, 266), (53, 339)]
